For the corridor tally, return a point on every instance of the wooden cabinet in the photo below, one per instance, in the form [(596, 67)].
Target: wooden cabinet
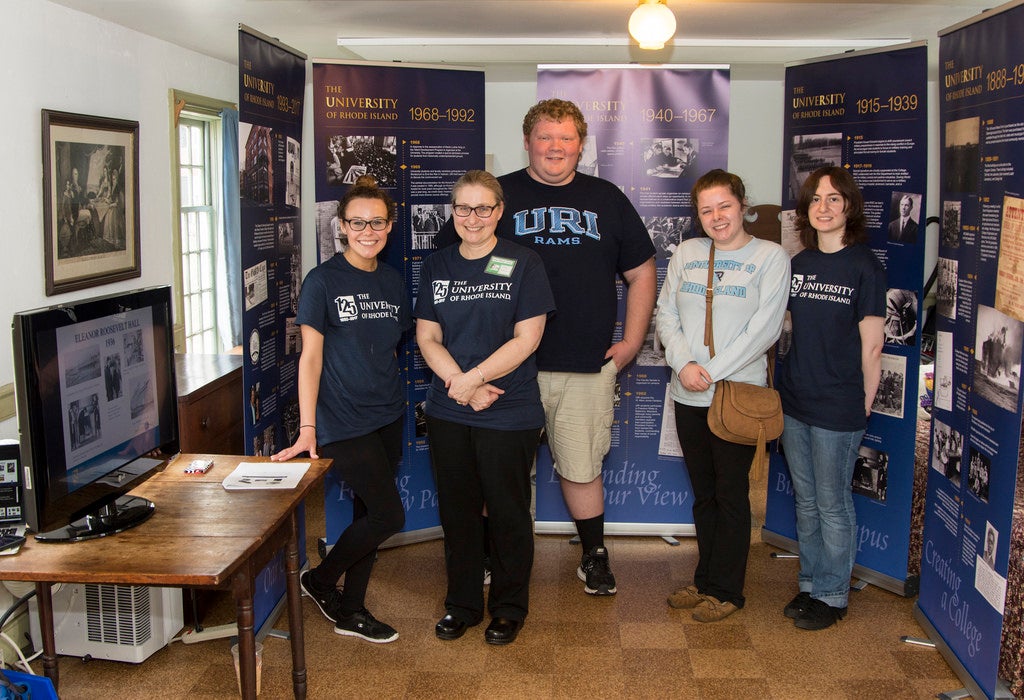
[(210, 403)]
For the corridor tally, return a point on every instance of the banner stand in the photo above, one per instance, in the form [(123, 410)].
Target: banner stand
[(906, 588), (970, 689)]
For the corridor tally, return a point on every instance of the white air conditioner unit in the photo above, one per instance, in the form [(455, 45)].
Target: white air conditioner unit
[(117, 623)]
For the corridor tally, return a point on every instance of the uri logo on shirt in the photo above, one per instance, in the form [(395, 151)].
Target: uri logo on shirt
[(440, 290), (795, 285), (347, 309)]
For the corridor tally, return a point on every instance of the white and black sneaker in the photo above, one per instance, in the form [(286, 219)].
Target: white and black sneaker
[(365, 626), (329, 601), (596, 574)]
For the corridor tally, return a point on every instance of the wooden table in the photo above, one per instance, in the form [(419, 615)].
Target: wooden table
[(199, 536)]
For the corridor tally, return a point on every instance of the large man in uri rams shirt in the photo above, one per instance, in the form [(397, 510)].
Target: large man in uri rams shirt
[(587, 233)]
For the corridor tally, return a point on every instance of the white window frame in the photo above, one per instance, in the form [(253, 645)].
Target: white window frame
[(200, 300)]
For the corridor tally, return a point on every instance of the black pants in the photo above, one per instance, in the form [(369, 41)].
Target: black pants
[(719, 473), (473, 467), (368, 465)]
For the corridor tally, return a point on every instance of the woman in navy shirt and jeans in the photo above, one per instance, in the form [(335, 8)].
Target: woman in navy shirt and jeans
[(827, 385)]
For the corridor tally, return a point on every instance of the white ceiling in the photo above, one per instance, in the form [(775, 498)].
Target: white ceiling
[(755, 35)]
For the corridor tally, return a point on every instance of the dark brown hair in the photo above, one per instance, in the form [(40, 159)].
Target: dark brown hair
[(844, 183), (366, 188)]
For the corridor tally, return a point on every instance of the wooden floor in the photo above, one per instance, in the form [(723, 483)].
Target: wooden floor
[(631, 645)]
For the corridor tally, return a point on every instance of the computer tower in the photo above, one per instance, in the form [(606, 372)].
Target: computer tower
[(117, 623)]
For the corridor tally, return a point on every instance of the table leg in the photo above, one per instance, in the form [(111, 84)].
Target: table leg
[(295, 610), (45, 601), (243, 587)]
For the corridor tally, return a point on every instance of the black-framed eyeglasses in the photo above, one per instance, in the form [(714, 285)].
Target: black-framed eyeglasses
[(360, 224), (482, 210)]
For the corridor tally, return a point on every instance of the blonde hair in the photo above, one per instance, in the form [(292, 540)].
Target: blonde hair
[(482, 178)]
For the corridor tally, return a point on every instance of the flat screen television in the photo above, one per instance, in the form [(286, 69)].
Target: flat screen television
[(97, 410)]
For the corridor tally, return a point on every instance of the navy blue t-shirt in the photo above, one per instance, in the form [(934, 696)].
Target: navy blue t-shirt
[(822, 383), (587, 233), (362, 316), (478, 303)]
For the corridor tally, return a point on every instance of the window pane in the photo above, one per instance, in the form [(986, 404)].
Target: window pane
[(205, 233), (208, 315), (183, 144), (206, 266), (186, 188), (197, 309), (196, 278), (190, 239), (199, 178)]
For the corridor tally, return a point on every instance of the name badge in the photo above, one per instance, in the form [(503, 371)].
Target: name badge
[(502, 267)]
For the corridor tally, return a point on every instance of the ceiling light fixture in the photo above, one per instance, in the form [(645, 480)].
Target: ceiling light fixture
[(652, 24)]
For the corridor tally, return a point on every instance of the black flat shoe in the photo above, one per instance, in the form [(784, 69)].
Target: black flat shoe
[(502, 630), (450, 627)]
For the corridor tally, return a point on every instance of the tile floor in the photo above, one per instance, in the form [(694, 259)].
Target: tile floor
[(631, 645)]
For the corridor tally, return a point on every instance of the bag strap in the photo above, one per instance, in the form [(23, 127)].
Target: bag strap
[(709, 292), (709, 333)]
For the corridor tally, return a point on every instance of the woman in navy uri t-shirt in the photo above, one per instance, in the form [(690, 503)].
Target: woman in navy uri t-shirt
[(353, 311), (828, 383), (480, 315)]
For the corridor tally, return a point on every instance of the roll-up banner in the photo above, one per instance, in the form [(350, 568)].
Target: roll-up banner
[(636, 115), (972, 571), (271, 87), (867, 112), (416, 130)]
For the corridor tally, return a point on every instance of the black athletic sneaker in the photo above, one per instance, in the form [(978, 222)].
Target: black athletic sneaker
[(328, 601), (596, 574), (798, 606), (365, 626), (819, 615)]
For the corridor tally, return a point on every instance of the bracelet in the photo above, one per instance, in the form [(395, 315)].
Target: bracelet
[(481, 374), (308, 425)]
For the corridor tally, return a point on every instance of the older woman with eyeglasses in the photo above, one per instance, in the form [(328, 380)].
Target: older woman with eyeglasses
[(353, 311), (480, 315)]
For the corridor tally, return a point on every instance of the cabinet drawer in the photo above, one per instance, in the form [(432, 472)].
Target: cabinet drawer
[(210, 418)]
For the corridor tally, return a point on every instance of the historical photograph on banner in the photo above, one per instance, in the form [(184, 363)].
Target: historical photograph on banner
[(889, 397), (997, 349), (1010, 278)]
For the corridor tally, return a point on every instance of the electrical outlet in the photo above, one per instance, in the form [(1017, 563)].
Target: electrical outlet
[(17, 629)]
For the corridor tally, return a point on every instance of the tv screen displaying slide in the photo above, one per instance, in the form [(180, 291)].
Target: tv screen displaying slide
[(97, 402), (107, 392)]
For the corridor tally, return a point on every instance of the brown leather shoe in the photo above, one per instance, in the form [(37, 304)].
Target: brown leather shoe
[(685, 598), (711, 609)]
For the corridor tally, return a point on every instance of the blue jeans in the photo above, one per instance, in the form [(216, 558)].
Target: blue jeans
[(821, 465)]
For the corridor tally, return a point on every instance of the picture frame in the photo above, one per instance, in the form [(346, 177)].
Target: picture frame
[(90, 200)]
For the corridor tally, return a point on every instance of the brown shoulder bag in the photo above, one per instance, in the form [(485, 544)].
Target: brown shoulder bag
[(743, 413)]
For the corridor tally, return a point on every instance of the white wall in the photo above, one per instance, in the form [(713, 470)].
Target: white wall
[(56, 58)]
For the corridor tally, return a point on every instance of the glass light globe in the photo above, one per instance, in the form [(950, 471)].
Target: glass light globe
[(652, 24)]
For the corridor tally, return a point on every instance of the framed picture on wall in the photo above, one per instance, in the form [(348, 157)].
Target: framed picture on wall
[(90, 200)]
